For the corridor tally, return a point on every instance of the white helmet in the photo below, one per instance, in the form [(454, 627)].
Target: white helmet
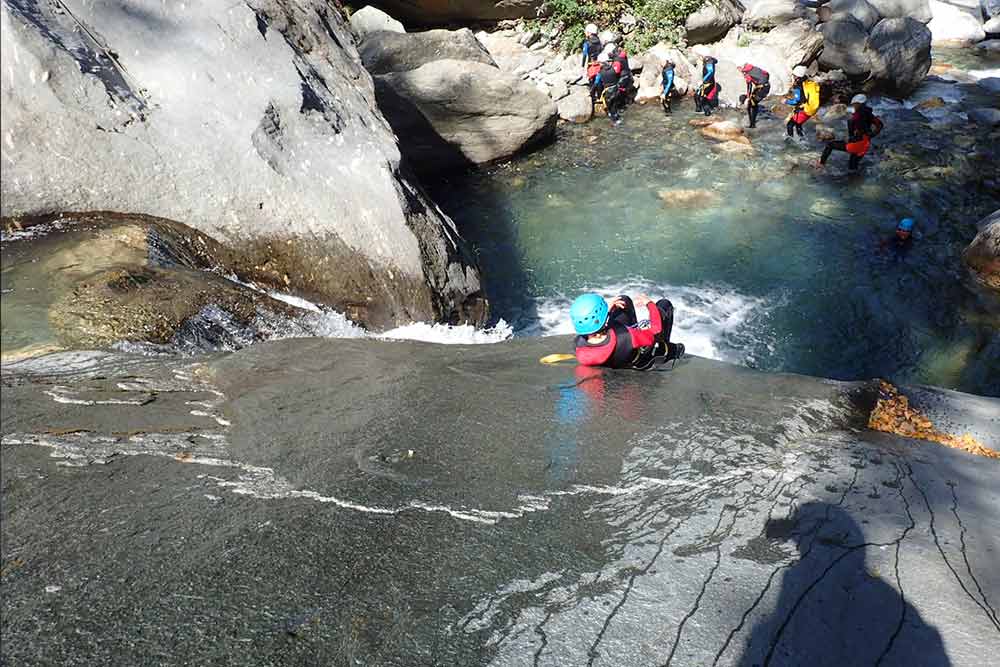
[(610, 47), (603, 58), (800, 71), (591, 29), (859, 99)]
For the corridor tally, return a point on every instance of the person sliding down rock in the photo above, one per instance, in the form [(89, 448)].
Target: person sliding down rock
[(606, 86), (668, 85), (592, 48), (861, 127), (611, 334), (804, 100), (758, 87), (707, 96)]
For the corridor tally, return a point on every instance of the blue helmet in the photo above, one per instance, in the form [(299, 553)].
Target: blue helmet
[(906, 225), (589, 313)]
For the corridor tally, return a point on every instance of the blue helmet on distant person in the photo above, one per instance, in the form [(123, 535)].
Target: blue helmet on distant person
[(905, 225), (589, 313)]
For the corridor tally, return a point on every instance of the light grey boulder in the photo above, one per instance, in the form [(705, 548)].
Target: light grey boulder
[(576, 107), (767, 14), (383, 52), (368, 19), (844, 42), (918, 10), (983, 254), (991, 9), (956, 21), (253, 123), (797, 41), (436, 12), (992, 26), (989, 45), (861, 10), (455, 113), (900, 54), (712, 21)]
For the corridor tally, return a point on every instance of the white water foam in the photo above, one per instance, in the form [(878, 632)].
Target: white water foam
[(704, 317)]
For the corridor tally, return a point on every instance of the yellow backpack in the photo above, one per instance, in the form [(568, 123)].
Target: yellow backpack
[(811, 90)]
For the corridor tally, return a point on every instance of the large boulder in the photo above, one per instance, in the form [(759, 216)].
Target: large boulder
[(712, 21), (844, 41), (253, 123), (368, 19), (861, 10), (576, 107), (983, 254), (437, 12), (383, 52), (900, 54), (918, 10), (454, 113), (956, 22), (767, 14)]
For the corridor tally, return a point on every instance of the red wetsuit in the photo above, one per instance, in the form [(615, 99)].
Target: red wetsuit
[(625, 344)]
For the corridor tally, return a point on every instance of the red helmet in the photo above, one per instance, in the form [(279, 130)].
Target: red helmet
[(746, 68)]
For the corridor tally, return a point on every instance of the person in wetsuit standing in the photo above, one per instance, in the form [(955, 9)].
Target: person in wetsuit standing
[(758, 87), (622, 333), (861, 127)]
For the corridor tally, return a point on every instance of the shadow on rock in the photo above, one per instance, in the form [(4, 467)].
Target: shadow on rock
[(835, 609)]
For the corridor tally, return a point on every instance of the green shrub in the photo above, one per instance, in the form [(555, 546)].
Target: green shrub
[(658, 20)]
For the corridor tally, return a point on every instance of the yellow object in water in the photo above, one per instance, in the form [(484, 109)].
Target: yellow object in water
[(556, 358)]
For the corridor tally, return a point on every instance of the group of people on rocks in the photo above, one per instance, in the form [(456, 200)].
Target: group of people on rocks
[(625, 332), (613, 86)]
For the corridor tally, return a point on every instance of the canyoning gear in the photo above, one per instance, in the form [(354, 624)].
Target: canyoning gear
[(758, 87), (627, 343), (905, 225), (811, 91), (591, 29), (799, 71), (861, 127), (592, 48), (707, 95), (610, 49), (668, 85), (804, 97), (589, 313), (556, 358), (859, 99)]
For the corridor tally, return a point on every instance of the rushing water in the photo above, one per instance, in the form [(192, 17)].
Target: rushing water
[(773, 264)]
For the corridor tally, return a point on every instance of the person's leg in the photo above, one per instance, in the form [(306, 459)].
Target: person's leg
[(754, 108), (798, 129), (830, 147), (667, 317), (697, 102), (790, 127), (854, 162), (666, 103)]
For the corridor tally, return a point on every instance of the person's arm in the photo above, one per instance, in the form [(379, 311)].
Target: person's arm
[(668, 81), (709, 72), (586, 52), (647, 337)]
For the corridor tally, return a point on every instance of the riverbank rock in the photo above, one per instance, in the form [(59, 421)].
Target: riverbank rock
[(576, 107), (426, 13), (456, 113), (918, 10), (900, 54), (368, 19), (956, 22), (983, 254), (383, 52), (844, 41), (767, 14), (722, 130), (824, 133), (262, 132), (712, 21), (985, 116), (689, 197), (859, 10)]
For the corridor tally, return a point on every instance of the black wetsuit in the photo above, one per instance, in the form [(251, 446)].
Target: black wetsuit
[(633, 347), (608, 83), (707, 95), (861, 126)]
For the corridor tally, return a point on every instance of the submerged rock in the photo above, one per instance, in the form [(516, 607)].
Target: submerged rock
[(262, 132), (983, 254), (688, 197), (723, 130)]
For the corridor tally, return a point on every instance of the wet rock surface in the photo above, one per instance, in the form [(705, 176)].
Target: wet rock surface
[(342, 510), (983, 254)]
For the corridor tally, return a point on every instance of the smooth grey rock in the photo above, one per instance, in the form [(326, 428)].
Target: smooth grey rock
[(985, 116), (990, 45), (861, 10), (712, 21), (956, 22), (253, 123), (900, 54), (992, 27), (433, 13), (918, 10), (558, 90), (368, 19), (844, 41), (767, 14), (991, 8), (576, 107), (383, 52), (452, 113), (983, 254)]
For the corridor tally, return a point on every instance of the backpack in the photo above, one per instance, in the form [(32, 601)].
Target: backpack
[(811, 91)]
